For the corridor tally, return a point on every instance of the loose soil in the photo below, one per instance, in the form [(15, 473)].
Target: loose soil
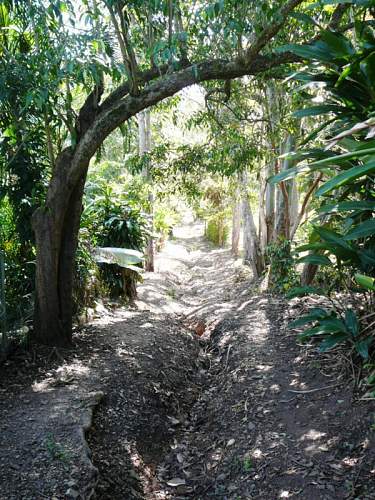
[(199, 391)]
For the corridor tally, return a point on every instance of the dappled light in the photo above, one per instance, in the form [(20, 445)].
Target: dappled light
[(187, 249)]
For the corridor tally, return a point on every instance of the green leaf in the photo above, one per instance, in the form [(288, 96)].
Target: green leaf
[(315, 314), (365, 281), (332, 341), (307, 51), (332, 237), (368, 69), (316, 110), (290, 173), (338, 43), (345, 156), (363, 230), (351, 322), (346, 206), (326, 326), (362, 347), (345, 177), (313, 246), (318, 260)]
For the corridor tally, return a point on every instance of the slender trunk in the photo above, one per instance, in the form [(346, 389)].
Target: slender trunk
[(263, 230), (293, 207), (272, 111), (284, 196), (144, 135), (252, 253), (270, 205), (236, 222), (308, 273)]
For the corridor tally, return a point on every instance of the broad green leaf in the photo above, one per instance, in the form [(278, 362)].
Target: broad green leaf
[(313, 246), (316, 110), (365, 281), (345, 156), (318, 260), (332, 341), (326, 326), (363, 230), (346, 206), (368, 68), (346, 177), (367, 257), (319, 53), (362, 347), (314, 315), (338, 43), (351, 322), (300, 16), (290, 173), (332, 237)]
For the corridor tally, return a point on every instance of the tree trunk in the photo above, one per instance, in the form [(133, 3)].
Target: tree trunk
[(263, 230), (56, 229), (293, 207), (308, 273), (283, 219), (270, 205), (129, 284), (144, 135), (252, 253), (236, 222)]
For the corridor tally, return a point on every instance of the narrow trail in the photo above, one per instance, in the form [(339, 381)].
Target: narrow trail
[(242, 412), (239, 412)]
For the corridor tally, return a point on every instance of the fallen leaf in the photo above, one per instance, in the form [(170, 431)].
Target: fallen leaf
[(176, 481)]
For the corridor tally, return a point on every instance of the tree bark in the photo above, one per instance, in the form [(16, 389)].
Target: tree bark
[(252, 253), (283, 219), (263, 229), (144, 136), (308, 273), (270, 205), (236, 222), (56, 233)]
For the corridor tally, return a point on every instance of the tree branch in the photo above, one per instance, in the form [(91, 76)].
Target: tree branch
[(270, 31), (304, 205), (338, 15)]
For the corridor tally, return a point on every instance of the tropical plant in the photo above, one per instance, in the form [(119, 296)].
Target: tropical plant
[(344, 230), (332, 328), (115, 221)]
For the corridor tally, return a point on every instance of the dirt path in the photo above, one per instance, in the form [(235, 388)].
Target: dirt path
[(241, 412), (257, 419)]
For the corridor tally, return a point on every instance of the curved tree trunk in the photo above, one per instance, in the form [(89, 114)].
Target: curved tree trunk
[(56, 233), (56, 223)]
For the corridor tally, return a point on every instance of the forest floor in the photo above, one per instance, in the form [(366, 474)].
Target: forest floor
[(200, 391)]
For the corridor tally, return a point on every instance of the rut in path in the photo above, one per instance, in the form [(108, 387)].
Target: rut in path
[(242, 412)]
